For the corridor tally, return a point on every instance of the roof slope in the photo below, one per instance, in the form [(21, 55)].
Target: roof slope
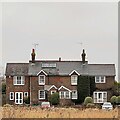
[(16, 69), (66, 67), (101, 69), (62, 68)]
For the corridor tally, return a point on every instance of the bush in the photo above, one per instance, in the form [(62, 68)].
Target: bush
[(88, 100), (27, 100), (118, 100), (54, 99), (90, 105), (7, 105), (113, 100)]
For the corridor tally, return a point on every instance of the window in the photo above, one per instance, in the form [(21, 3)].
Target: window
[(49, 65), (19, 80), (100, 79), (25, 94), (74, 94), (41, 79), (53, 91), (74, 79), (41, 94), (100, 97), (11, 95), (64, 94)]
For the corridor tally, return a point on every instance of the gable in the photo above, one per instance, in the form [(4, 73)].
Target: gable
[(64, 88), (42, 72)]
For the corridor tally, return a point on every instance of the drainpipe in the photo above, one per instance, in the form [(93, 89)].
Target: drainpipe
[(30, 90)]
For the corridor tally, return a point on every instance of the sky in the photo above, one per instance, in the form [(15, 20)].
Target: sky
[(59, 28)]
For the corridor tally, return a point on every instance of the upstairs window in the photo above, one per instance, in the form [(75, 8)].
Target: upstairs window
[(100, 79), (41, 79), (74, 79), (19, 80)]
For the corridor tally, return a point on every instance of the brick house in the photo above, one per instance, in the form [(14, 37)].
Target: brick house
[(38, 79)]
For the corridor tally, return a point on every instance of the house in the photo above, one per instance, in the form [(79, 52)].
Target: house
[(38, 79)]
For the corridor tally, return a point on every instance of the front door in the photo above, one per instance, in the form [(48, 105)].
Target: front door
[(18, 98)]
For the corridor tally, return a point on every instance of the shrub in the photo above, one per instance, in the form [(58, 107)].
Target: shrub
[(113, 100), (90, 105), (88, 100), (7, 105), (118, 100), (54, 99), (27, 100)]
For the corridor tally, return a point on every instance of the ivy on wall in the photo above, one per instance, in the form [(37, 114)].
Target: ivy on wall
[(85, 88)]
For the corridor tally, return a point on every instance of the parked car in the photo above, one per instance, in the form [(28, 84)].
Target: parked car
[(45, 105), (107, 105)]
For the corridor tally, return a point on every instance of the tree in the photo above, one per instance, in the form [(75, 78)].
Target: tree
[(54, 99), (3, 88)]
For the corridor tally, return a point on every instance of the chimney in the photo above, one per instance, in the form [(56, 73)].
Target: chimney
[(33, 55), (59, 58), (83, 56)]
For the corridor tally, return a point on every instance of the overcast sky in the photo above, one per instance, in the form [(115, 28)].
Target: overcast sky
[(59, 28)]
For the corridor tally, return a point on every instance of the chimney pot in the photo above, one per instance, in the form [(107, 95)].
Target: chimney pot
[(59, 58), (33, 55), (83, 56)]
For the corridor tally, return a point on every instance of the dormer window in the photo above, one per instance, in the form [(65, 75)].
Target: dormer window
[(41, 79), (100, 79), (74, 79)]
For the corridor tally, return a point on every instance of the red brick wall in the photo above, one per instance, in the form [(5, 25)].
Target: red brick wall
[(10, 87), (51, 80), (109, 83)]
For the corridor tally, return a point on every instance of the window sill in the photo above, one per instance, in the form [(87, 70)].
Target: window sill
[(19, 84), (42, 84), (73, 84), (74, 98), (41, 98)]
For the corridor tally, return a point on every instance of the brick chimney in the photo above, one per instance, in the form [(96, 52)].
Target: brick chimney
[(83, 56), (33, 55)]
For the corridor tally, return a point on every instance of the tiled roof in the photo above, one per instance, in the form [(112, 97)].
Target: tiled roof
[(66, 67), (62, 68), (16, 69)]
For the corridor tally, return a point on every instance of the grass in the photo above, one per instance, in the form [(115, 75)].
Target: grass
[(37, 112)]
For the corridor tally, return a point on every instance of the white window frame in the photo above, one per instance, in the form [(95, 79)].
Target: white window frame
[(99, 79), (74, 83), (64, 95), (19, 98), (25, 93), (53, 91), (10, 95), (22, 80), (39, 94), (41, 83), (102, 100), (76, 94)]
